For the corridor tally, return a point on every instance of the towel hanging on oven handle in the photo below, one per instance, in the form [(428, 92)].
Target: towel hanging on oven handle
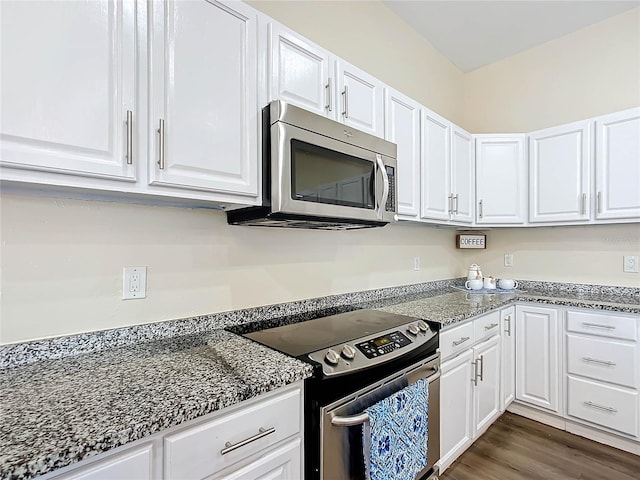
[(360, 418)]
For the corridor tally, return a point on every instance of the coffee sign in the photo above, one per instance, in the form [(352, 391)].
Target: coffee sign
[(465, 240)]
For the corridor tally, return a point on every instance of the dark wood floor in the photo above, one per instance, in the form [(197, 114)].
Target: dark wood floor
[(516, 448)]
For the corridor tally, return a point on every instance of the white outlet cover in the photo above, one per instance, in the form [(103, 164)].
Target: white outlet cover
[(508, 259), (630, 264), (416, 264), (134, 282)]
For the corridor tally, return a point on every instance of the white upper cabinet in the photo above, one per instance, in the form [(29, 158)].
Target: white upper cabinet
[(306, 75), (299, 72), (618, 165), (462, 175), (436, 171), (204, 109), (402, 127), (500, 179), (447, 170), (559, 173), (361, 99), (69, 87)]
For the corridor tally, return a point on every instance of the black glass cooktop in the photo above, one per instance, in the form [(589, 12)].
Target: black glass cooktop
[(309, 336)]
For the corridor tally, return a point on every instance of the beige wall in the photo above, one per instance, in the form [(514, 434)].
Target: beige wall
[(579, 254), (62, 263), (591, 72), (61, 260), (373, 38)]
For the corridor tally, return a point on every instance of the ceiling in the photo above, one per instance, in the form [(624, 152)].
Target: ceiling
[(476, 33)]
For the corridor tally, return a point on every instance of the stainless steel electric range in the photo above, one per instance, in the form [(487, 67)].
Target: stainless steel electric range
[(359, 357)]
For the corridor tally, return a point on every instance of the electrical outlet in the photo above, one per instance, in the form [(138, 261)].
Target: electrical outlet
[(630, 264), (416, 264), (508, 259), (134, 282)]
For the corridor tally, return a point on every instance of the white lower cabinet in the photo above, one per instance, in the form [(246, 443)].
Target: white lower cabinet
[(133, 464), (537, 357), (486, 395), (282, 463), (469, 385), (456, 407)]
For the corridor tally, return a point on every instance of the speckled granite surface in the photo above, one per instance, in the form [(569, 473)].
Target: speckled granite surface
[(57, 412), (60, 347), (142, 380)]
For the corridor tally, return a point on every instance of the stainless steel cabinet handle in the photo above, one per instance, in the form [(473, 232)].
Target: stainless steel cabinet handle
[(455, 200), (597, 325), (583, 207), (507, 320), (600, 407), (460, 342), (475, 373), (481, 359), (161, 145), (599, 201), (599, 362), (262, 432), (329, 105), (450, 203), (129, 123), (481, 213), (490, 326), (345, 95)]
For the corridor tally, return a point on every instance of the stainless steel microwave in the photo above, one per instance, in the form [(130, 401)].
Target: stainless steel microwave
[(318, 173)]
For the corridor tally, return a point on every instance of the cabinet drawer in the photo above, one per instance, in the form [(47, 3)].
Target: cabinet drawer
[(456, 339), (487, 326), (602, 324), (197, 451), (134, 464), (606, 360), (605, 405)]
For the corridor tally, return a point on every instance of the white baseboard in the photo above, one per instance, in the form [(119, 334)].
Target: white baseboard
[(575, 428)]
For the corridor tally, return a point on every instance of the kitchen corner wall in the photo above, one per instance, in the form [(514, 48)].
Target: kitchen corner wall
[(61, 260)]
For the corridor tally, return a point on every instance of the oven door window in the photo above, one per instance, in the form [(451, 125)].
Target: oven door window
[(321, 175)]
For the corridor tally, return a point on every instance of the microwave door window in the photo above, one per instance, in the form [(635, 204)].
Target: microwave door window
[(321, 175)]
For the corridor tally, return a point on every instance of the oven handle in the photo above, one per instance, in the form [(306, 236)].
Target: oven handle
[(363, 417)]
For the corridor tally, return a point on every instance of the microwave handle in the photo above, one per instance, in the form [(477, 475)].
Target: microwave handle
[(385, 189)]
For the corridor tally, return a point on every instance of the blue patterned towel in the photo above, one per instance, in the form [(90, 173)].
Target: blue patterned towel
[(395, 439)]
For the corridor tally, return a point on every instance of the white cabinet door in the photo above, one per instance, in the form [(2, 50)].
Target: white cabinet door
[(486, 397), (500, 179), (402, 127), (618, 165), (559, 173), (68, 83), (133, 464), (361, 99), (456, 407), (462, 175), (436, 170), (508, 350), (283, 463), (204, 94), (537, 357), (299, 72)]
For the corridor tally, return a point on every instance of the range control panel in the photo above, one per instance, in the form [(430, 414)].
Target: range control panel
[(383, 345)]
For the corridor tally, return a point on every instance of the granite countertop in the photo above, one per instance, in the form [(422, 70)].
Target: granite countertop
[(57, 411), (452, 306)]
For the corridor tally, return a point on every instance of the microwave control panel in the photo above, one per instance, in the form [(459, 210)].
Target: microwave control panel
[(390, 206)]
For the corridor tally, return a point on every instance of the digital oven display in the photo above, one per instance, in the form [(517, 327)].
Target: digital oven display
[(383, 345)]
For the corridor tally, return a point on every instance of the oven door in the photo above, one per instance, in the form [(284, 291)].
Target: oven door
[(339, 425), (315, 175)]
